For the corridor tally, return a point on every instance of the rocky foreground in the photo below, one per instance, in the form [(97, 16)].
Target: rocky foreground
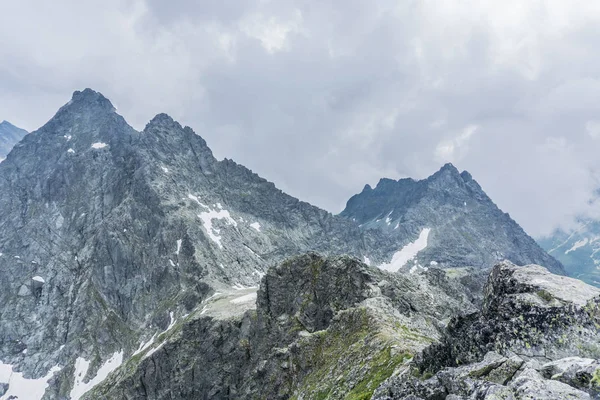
[(334, 328)]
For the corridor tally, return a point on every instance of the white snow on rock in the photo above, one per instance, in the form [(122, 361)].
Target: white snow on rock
[(178, 247), (578, 244), (256, 226), (81, 367), (171, 262), (70, 151), (194, 198), (23, 388), (68, 137), (207, 218), (99, 145), (171, 325), (408, 252), (397, 225), (165, 169), (38, 278), (238, 286), (366, 260), (244, 299)]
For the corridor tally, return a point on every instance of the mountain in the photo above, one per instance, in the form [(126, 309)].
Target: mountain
[(9, 136), (451, 219), (116, 245), (577, 250)]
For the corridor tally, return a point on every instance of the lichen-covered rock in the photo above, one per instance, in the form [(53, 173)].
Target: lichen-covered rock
[(582, 373), (526, 311), (530, 385)]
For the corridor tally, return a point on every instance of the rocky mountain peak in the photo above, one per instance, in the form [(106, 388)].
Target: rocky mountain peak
[(90, 99), (164, 121), (451, 218)]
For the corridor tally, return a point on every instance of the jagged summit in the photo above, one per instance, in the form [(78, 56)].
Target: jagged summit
[(163, 119), (91, 98), (452, 218)]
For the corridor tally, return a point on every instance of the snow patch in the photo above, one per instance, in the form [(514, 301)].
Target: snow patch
[(238, 286), (81, 368), (171, 262), (397, 225), (70, 151), (578, 244), (23, 388), (99, 145), (38, 278), (366, 260), (408, 252), (68, 137), (244, 299), (178, 246), (256, 226), (194, 198), (207, 218), (165, 169)]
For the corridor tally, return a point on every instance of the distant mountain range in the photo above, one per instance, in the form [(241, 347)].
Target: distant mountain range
[(578, 250), (9, 136), (113, 241)]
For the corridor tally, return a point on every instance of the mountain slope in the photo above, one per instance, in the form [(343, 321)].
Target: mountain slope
[(9, 136), (578, 250), (452, 221)]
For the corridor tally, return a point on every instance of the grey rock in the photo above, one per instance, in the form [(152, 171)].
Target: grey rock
[(530, 385), (577, 372), (341, 336)]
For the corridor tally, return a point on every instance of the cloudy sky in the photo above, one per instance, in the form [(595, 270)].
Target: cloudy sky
[(324, 97)]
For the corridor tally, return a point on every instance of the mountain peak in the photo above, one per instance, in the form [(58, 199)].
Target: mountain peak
[(89, 99), (163, 120)]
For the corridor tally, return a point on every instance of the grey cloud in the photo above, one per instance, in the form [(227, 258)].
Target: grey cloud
[(323, 97)]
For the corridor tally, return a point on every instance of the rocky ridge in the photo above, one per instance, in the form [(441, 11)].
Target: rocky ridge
[(335, 328), (459, 223)]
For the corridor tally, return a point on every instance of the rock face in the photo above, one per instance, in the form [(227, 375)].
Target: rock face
[(460, 223), (578, 250), (119, 248), (9, 136), (335, 328), (323, 328), (536, 337)]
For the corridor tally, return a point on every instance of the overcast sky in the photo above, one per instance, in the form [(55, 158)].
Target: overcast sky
[(322, 97)]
